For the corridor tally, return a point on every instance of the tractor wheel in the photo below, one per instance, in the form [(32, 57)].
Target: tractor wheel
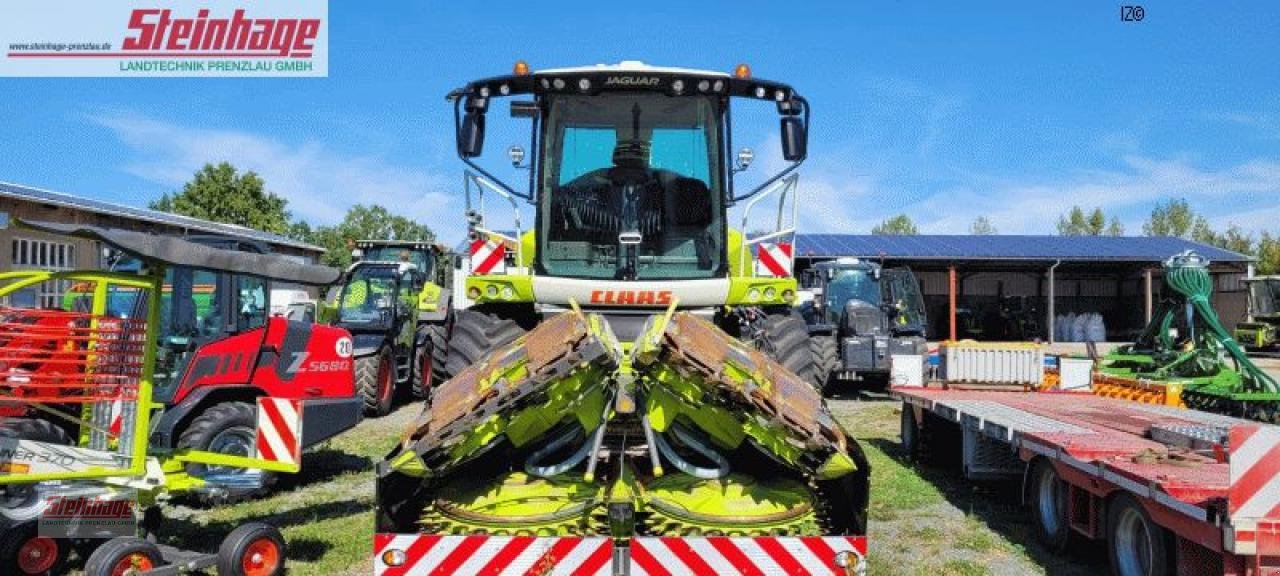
[(226, 428), (477, 333), (826, 361), (24, 552), (123, 557), (786, 340), (254, 549), (439, 342), (34, 429), (376, 381), (420, 380)]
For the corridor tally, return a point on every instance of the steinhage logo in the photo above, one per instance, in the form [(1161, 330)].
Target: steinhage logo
[(157, 30)]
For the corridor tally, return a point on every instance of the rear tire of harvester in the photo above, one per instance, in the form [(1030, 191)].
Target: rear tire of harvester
[(826, 360), (226, 428), (476, 334), (786, 340), (376, 381)]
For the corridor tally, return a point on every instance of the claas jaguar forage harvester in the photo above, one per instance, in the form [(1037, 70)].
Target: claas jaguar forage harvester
[(631, 390)]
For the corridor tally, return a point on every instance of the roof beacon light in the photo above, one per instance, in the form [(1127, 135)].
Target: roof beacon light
[(521, 68), (742, 71)]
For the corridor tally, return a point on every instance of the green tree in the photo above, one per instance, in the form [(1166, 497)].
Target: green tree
[(221, 194), (1076, 223), (982, 226), (371, 222), (1115, 228), (1268, 253), (900, 225), (1175, 218)]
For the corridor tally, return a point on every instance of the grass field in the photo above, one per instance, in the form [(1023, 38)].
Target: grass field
[(923, 521)]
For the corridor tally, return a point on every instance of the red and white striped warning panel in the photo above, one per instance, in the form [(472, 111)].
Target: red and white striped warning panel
[(802, 555), (488, 257), (1253, 499), (279, 430), (773, 259), (423, 554)]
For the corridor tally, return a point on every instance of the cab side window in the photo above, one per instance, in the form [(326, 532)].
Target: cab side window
[(252, 302)]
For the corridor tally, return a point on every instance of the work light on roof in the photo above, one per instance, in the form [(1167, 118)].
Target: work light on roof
[(742, 71), (521, 68)]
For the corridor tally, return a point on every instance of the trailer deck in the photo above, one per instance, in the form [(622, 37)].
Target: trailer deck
[(1211, 481)]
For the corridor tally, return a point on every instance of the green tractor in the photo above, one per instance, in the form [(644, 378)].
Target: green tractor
[(1262, 331), (1186, 343), (632, 366), (435, 300)]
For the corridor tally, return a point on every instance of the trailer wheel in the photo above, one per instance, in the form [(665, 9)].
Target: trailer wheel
[(1136, 545), (226, 428), (124, 556), (375, 379), (1047, 497), (476, 333), (24, 552), (910, 431), (786, 340), (826, 360), (254, 549), (438, 334)]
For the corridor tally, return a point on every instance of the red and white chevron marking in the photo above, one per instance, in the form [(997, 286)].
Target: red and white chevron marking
[(1253, 497), (800, 556), (773, 259), (117, 417), (279, 430), (428, 554), (488, 257)]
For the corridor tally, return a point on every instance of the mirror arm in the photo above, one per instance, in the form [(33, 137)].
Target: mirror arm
[(457, 126)]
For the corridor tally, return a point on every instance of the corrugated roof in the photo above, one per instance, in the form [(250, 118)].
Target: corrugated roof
[(1007, 247), (67, 200)]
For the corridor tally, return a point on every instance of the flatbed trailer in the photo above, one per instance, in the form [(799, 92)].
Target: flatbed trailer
[(1171, 491)]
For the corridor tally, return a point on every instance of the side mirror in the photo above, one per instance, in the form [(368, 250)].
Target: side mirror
[(745, 157), (471, 135), (794, 139), (516, 153)]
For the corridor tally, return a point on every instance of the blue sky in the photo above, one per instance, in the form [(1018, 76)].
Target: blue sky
[(945, 112)]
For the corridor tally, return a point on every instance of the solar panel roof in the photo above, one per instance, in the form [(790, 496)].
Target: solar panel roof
[(1006, 247)]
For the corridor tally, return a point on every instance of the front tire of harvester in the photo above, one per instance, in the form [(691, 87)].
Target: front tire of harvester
[(1136, 545), (125, 555), (420, 380), (375, 379), (438, 336), (826, 360), (254, 549), (226, 428), (24, 552), (1047, 502), (476, 334), (787, 342)]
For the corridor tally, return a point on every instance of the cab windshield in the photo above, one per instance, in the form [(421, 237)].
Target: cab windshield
[(419, 258), (1266, 297), (369, 295), (846, 285), (631, 188)]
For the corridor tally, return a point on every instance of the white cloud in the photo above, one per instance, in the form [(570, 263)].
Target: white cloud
[(319, 182)]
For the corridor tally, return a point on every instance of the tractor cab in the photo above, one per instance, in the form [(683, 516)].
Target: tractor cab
[(631, 179), (1261, 330), (1264, 296)]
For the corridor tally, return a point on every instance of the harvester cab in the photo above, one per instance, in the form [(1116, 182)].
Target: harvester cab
[(88, 415), (861, 316), (1262, 329), (632, 380), (631, 181), (377, 301)]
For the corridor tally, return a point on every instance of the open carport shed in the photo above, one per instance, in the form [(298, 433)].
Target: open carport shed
[(1002, 286)]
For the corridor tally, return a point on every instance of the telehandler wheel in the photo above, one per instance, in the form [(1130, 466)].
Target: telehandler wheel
[(375, 379), (254, 549), (24, 552), (477, 333), (123, 557), (826, 361), (438, 336), (226, 428), (786, 340)]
